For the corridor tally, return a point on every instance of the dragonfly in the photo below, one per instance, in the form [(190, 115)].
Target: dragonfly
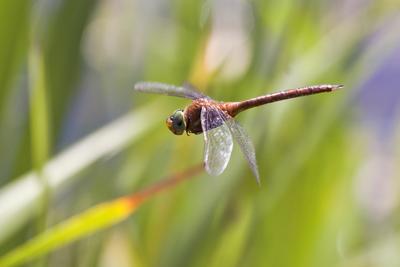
[(215, 119)]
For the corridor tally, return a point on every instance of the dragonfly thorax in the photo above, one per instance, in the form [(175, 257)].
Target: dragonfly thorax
[(176, 122)]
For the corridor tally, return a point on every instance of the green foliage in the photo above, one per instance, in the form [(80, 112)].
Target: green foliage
[(74, 134), (96, 218)]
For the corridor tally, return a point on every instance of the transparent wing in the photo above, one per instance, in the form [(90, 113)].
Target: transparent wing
[(217, 138), (191, 87), (245, 144), (186, 91)]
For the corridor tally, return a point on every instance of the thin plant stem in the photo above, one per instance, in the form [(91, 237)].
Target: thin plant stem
[(170, 181)]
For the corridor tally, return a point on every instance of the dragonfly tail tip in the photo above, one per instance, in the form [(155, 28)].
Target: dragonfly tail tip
[(337, 87)]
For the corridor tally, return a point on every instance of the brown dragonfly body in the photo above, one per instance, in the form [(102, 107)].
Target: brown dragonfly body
[(193, 111), (215, 120)]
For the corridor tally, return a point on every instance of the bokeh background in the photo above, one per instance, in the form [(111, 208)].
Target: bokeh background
[(73, 133)]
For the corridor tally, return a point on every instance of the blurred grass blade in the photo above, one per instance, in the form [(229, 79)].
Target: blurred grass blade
[(84, 224), (38, 109), (39, 126), (90, 221), (15, 210), (14, 21), (62, 53)]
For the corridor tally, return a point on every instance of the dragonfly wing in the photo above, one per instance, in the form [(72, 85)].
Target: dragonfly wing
[(167, 89), (245, 144), (193, 89), (217, 138)]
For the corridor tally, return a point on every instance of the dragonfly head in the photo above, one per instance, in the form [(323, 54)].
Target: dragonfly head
[(176, 122)]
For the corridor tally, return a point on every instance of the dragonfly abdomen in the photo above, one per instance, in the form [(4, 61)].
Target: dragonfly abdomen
[(237, 107)]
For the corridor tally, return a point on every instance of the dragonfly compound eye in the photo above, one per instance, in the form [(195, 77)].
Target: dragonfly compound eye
[(176, 122)]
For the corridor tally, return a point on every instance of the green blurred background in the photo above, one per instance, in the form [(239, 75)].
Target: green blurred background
[(74, 134)]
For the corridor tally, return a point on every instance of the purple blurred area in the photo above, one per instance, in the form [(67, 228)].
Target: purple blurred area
[(378, 101)]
